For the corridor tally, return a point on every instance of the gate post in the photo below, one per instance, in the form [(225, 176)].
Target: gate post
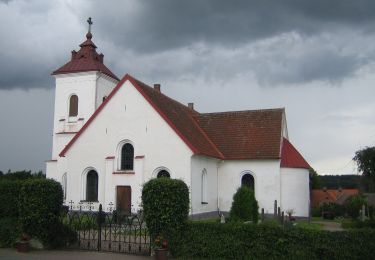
[(99, 221)]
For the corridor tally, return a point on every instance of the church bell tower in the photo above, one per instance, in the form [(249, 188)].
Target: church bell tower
[(82, 84)]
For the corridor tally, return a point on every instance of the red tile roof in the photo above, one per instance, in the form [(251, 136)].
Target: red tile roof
[(86, 59), (291, 158), (245, 134), (321, 196), (229, 135)]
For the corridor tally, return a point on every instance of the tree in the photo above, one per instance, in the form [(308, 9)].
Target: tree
[(244, 206), (314, 179), (353, 205), (365, 160)]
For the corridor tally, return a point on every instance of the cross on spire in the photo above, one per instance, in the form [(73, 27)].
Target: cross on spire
[(89, 21)]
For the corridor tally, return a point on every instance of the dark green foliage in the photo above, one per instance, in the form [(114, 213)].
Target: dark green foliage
[(9, 231), (247, 241), (33, 205), (9, 198), (244, 206), (40, 205), (353, 205), (368, 223), (365, 160), (339, 181), (21, 175), (314, 179), (333, 208), (165, 204)]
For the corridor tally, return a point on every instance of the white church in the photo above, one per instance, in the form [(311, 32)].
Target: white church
[(110, 136)]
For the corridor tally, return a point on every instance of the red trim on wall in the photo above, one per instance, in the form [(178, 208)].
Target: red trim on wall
[(110, 157), (169, 122), (124, 172), (100, 108), (88, 122), (139, 157)]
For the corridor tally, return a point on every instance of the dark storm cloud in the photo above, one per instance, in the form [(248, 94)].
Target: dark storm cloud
[(165, 24), (137, 28)]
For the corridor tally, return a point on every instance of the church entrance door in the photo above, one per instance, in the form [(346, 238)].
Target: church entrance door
[(124, 198)]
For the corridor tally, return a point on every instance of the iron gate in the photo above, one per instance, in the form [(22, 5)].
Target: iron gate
[(109, 231)]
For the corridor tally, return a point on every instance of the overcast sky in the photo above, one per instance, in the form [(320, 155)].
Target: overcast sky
[(315, 58)]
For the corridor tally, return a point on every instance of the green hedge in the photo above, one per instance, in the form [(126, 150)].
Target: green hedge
[(40, 205), (32, 206), (165, 204), (9, 197), (9, 231), (247, 241)]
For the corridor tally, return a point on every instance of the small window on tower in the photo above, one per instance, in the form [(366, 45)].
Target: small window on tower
[(73, 105), (104, 98)]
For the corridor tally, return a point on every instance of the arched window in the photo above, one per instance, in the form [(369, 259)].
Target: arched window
[(127, 157), (248, 181), (64, 181), (204, 187), (73, 105), (163, 174), (92, 186)]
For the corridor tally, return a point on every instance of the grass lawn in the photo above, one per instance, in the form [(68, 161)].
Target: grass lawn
[(307, 225)]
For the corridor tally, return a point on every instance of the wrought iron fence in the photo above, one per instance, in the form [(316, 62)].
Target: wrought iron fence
[(109, 231)]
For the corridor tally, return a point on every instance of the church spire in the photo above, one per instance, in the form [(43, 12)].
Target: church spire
[(89, 34), (86, 59)]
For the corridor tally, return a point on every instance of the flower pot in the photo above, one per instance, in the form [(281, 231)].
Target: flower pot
[(23, 246), (161, 254)]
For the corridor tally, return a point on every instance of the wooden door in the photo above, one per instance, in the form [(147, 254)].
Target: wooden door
[(124, 198)]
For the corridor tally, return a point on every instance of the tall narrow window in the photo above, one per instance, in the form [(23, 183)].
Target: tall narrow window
[(73, 106), (248, 181), (127, 157), (64, 184), (204, 187), (92, 186)]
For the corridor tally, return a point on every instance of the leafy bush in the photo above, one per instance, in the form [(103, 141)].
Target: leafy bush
[(9, 231), (21, 175), (165, 204), (244, 206), (369, 223), (248, 241), (353, 205), (40, 205), (9, 197)]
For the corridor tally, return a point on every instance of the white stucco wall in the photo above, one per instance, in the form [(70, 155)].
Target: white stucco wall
[(198, 165), (266, 175), (105, 85), (295, 192), (90, 87), (128, 116)]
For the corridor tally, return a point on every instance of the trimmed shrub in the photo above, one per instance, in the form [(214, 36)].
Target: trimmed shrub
[(40, 205), (166, 205), (9, 197), (248, 241), (244, 206), (9, 231)]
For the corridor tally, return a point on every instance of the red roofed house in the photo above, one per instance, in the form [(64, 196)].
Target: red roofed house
[(110, 136), (326, 196)]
